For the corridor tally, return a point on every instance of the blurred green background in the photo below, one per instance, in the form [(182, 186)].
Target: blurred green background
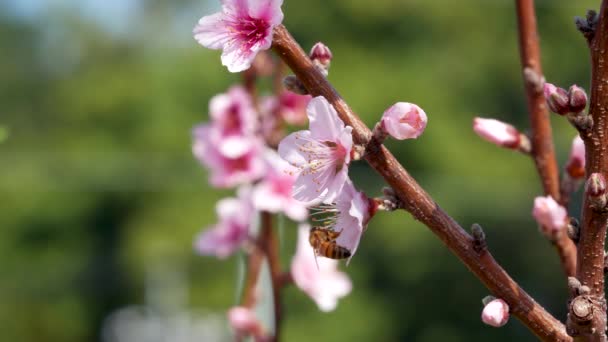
[(101, 197)]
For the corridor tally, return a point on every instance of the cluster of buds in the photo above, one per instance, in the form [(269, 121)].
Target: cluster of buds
[(571, 103)]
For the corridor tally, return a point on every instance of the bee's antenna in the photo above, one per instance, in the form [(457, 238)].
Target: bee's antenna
[(316, 262)]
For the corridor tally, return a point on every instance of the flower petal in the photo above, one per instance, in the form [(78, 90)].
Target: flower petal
[(325, 124), (289, 148), (237, 58), (212, 32)]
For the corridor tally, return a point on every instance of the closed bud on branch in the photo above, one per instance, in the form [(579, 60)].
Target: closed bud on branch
[(321, 55), (557, 99), (577, 98), (404, 120), (551, 216), (575, 167), (501, 134), (495, 313), (596, 190)]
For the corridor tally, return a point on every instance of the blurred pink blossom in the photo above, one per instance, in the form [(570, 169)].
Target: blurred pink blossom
[(228, 172), (273, 193), (404, 120), (321, 154), (495, 313), (549, 215), (241, 30), (228, 235), (497, 132), (576, 162), (325, 284), (245, 323), (233, 121)]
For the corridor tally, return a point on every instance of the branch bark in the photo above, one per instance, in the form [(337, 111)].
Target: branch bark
[(541, 136), (593, 224), (419, 203)]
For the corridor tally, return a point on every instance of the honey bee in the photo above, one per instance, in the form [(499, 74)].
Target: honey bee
[(323, 241)]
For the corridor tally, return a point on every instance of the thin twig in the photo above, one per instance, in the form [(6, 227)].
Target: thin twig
[(541, 136), (419, 203)]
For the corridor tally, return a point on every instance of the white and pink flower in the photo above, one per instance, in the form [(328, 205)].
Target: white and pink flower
[(404, 120), (325, 284), (495, 313), (227, 172), (551, 216), (321, 154), (242, 29), (273, 193), (230, 233)]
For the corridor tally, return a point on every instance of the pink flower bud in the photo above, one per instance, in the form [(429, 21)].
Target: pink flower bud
[(551, 216), (404, 120), (497, 132), (576, 162), (321, 55), (495, 313), (596, 190), (244, 322), (557, 99), (578, 99)]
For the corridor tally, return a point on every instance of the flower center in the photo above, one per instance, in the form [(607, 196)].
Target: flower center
[(251, 30), (232, 120)]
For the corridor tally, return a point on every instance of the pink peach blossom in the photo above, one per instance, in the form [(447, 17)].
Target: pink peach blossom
[(228, 235), (242, 29), (325, 284), (404, 121), (273, 193), (321, 154), (549, 214), (227, 172), (233, 121), (495, 313), (497, 132)]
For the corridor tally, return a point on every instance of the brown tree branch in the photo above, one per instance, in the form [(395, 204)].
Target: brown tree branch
[(593, 224), (419, 203), (541, 137)]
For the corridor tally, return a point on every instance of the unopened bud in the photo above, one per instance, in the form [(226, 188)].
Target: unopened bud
[(501, 134), (495, 313), (576, 162), (321, 55), (596, 190), (244, 322), (294, 85), (551, 216), (557, 99), (578, 99), (404, 120)]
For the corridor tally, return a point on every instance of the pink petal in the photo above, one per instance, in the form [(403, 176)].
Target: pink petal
[(325, 124), (289, 148), (237, 58), (212, 32), (267, 9)]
